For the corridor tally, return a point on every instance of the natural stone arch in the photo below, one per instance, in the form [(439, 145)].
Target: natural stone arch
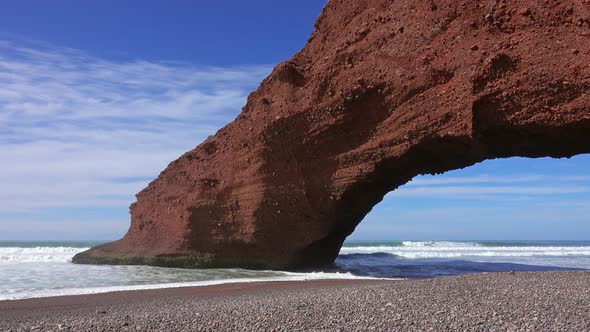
[(383, 91)]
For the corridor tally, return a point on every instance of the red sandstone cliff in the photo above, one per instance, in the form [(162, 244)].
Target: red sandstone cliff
[(383, 91)]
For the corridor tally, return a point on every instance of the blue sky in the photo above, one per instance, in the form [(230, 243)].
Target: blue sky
[(99, 96)]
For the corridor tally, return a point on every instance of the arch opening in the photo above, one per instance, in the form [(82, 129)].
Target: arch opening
[(500, 193), (490, 139), (515, 214)]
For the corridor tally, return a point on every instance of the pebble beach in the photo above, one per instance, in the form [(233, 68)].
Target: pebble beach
[(522, 301)]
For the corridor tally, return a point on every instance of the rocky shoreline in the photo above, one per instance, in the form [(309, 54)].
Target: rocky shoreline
[(547, 301)]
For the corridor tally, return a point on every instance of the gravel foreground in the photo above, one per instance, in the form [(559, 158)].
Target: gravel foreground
[(545, 301)]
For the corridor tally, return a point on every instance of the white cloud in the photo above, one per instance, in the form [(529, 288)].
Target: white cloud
[(486, 187), (486, 179), (62, 230), (72, 125), (467, 191)]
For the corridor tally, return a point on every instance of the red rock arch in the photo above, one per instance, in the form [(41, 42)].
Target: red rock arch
[(383, 91)]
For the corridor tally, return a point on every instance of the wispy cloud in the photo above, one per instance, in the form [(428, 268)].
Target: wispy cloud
[(16, 230), (489, 179), (478, 191), (76, 130), (517, 187)]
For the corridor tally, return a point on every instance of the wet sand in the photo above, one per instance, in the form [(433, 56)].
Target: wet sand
[(545, 301)]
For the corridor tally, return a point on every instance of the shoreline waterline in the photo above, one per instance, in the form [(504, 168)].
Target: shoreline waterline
[(196, 284), (44, 269), (523, 301)]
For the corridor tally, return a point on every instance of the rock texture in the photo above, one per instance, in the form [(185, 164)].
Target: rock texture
[(383, 91)]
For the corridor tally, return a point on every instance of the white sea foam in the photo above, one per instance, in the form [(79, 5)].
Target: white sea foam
[(421, 244), (38, 254), (444, 249), (47, 271), (287, 276), (18, 284), (410, 249)]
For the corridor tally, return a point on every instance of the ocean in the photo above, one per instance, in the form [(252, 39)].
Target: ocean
[(41, 269)]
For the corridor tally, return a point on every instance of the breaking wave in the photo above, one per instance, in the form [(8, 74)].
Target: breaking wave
[(447, 249), (44, 269), (38, 254)]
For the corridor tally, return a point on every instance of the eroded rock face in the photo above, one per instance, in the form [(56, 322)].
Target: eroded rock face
[(383, 91)]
